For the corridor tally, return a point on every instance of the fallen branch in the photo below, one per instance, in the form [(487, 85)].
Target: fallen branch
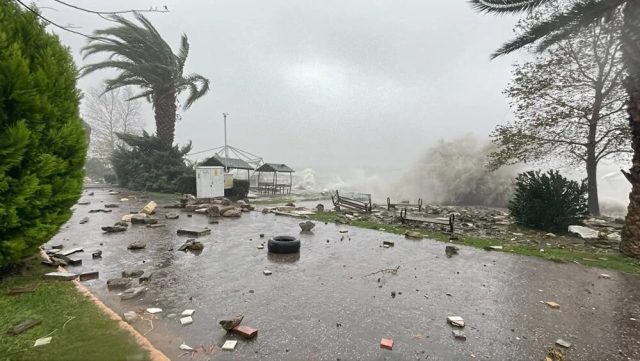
[(388, 270)]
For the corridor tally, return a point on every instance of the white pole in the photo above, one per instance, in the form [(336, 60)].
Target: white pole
[(226, 148)]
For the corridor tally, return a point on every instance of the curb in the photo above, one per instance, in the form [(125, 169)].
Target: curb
[(143, 342)]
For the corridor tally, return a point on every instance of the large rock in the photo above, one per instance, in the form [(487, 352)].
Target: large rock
[(226, 202), (137, 245), (214, 211), (232, 213), (139, 219), (151, 220), (224, 209), (306, 226), (118, 283)]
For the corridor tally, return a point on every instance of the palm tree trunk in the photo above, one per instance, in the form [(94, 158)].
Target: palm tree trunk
[(630, 244), (165, 109)]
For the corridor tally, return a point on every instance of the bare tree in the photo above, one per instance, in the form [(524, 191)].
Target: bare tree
[(569, 104), (107, 114)]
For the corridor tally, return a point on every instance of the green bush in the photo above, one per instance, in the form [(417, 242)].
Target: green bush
[(186, 184), (110, 178), (239, 191), (147, 166), (42, 138), (548, 201)]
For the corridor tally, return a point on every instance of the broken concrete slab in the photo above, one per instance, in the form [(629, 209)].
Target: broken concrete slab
[(71, 251), (96, 254), (157, 225), (186, 313), (386, 344), (192, 245), (153, 310), (114, 229), (193, 231), (232, 213), (388, 243), (149, 208), (118, 283), (111, 205), (186, 320), (266, 272), (42, 341), (84, 220), (146, 278), (229, 345), (138, 218), (195, 207), (62, 276), (130, 316), (84, 203), (137, 245), (563, 343), (23, 326), (89, 276), (101, 211), (132, 292), (456, 321), (151, 220), (245, 331), (132, 273), (229, 324), (584, 232), (18, 291), (172, 215), (306, 226), (459, 335), (74, 261)]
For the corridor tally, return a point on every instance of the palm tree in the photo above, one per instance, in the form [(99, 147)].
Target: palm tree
[(145, 60), (580, 14)]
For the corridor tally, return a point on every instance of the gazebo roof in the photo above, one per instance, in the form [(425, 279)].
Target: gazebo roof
[(274, 167), (231, 163)]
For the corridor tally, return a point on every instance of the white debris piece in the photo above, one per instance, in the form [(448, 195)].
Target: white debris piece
[(154, 310), (583, 232), (186, 313), (186, 321), (42, 341), (266, 272), (186, 347), (229, 345), (456, 321)]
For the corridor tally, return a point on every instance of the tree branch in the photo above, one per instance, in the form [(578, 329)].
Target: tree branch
[(151, 10)]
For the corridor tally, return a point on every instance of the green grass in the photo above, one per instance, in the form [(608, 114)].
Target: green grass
[(89, 334), (610, 261)]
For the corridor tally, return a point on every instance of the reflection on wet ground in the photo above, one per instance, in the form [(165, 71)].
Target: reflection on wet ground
[(297, 309)]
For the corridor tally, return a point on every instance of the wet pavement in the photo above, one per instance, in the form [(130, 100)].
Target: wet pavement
[(318, 305)]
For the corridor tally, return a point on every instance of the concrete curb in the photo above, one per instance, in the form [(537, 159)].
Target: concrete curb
[(154, 353)]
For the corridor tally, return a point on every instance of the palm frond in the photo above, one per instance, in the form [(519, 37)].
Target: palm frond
[(191, 82), (183, 53), (506, 6), (561, 26)]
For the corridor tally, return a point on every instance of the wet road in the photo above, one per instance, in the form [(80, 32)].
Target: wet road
[(298, 307)]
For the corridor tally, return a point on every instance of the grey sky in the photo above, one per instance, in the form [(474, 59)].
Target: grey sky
[(319, 83)]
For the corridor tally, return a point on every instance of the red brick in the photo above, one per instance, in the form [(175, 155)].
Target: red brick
[(245, 331), (386, 344)]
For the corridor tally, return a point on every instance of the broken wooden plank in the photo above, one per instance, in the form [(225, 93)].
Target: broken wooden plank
[(23, 326), (17, 291), (193, 231)]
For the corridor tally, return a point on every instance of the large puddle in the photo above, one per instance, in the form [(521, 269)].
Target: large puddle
[(320, 305)]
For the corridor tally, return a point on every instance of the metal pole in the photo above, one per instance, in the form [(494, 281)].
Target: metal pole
[(226, 148)]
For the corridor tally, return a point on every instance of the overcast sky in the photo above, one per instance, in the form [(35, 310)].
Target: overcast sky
[(327, 83)]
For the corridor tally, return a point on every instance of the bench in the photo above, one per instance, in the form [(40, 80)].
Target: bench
[(393, 205), (362, 205), (404, 217)]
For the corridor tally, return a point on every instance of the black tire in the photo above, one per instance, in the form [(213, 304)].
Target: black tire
[(284, 244)]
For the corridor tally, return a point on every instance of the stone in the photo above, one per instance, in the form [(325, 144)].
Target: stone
[(132, 273), (172, 215), (343, 231), (23, 326), (101, 211), (584, 232), (229, 345), (245, 331), (261, 246), (57, 246), (193, 231), (261, 235), (267, 272), (214, 211), (193, 207), (122, 224), (113, 193), (552, 304), (604, 275), (185, 347), (137, 245), (114, 229), (84, 203), (149, 208), (563, 343), (132, 292), (455, 321), (226, 202), (459, 335), (386, 344), (229, 324), (388, 243), (414, 235), (84, 220), (192, 245), (131, 316), (153, 310), (96, 254), (202, 211), (232, 213), (186, 313), (111, 205), (62, 276), (265, 210), (42, 341), (157, 225), (151, 221), (306, 226), (211, 221), (86, 276), (138, 219), (146, 278), (616, 237), (118, 283), (186, 320), (320, 207)]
